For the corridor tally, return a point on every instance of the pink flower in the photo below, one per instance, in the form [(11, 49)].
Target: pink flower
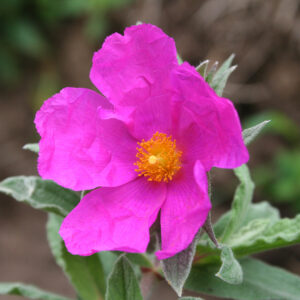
[(148, 144)]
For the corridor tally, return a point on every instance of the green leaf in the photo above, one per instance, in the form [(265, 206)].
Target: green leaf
[(202, 68), (224, 67), (250, 134), (179, 59), (282, 125), (250, 232), (139, 259), (84, 272), (122, 283), (241, 202), (34, 147), (28, 291), (27, 38), (261, 282), (108, 259), (177, 268), (208, 228), (265, 234), (230, 270), (262, 210), (210, 74), (40, 194), (220, 78)]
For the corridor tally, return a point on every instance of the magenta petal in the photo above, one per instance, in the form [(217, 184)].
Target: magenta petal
[(184, 211), (113, 218), (130, 68), (121, 146), (210, 122), (154, 115), (70, 150)]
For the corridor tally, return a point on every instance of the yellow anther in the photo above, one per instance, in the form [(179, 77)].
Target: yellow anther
[(158, 158)]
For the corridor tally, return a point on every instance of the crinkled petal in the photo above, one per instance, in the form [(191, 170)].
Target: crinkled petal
[(208, 126), (70, 150), (154, 115), (113, 218), (184, 211), (121, 146), (128, 69)]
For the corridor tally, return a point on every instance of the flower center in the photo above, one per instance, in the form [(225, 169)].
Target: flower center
[(158, 158)]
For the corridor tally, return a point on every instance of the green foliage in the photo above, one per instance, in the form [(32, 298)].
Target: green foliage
[(261, 281), (107, 259), (279, 179), (230, 270), (264, 234), (217, 78), (139, 259), (202, 68), (241, 202), (262, 210), (28, 29), (122, 283), (211, 72), (247, 229), (84, 272), (177, 268), (34, 147), (25, 36), (250, 134), (40, 194), (221, 76), (179, 59), (250, 228), (27, 291), (281, 125)]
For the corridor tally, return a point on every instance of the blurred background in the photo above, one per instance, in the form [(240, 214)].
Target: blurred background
[(46, 45)]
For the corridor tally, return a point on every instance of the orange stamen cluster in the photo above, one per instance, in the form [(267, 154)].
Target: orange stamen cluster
[(158, 157)]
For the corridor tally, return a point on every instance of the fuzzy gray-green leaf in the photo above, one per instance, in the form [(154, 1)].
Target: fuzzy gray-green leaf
[(122, 283), (221, 76), (224, 67), (40, 194), (84, 272), (241, 202), (177, 268), (27, 291), (261, 282), (211, 72), (265, 234), (262, 210), (34, 147), (230, 270), (250, 134), (220, 82), (202, 68), (179, 59)]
